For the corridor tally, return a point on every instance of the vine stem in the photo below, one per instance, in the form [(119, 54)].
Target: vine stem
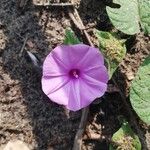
[(78, 137)]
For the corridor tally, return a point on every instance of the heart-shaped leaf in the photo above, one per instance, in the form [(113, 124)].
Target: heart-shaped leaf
[(125, 139), (130, 15), (113, 49), (140, 92), (144, 10)]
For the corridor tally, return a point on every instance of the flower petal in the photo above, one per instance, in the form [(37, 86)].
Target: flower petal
[(52, 84), (53, 68), (68, 54), (74, 102), (78, 98), (98, 72), (61, 96), (95, 84), (79, 55), (92, 92), (91, 58)]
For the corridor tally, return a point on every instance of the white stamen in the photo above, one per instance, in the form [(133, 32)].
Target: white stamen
[(75, 74)]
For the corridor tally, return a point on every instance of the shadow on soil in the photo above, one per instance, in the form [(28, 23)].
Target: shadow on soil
[(51, 127)]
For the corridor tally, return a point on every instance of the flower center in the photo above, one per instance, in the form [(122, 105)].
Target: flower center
[(74, 73)]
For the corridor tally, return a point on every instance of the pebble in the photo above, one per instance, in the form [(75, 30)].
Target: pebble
[(16, 145)]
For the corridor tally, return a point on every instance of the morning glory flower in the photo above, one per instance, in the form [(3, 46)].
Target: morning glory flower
[(74, 75)]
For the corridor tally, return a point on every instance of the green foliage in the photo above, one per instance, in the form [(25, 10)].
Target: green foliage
[(144, 9), (125, 139), (140, 92), (112, 48), (70, 37), (130, 15)]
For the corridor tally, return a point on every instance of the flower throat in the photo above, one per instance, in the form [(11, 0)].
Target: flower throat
[(74, 73)]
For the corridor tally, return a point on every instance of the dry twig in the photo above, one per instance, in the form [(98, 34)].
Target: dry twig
[(75, 17), (74, 20), (47, 3), (23, 46)]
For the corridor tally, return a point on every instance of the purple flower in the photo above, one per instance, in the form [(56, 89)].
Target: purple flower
[(74, 75)]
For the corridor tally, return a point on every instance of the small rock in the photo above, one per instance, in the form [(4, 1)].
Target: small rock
[(130, 76), (16, 145)]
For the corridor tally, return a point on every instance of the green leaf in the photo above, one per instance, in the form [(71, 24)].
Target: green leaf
[(70, 37), (112, 48), (144, 8), (130, 15), (140, 92), (126, 17), (125, 139)]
